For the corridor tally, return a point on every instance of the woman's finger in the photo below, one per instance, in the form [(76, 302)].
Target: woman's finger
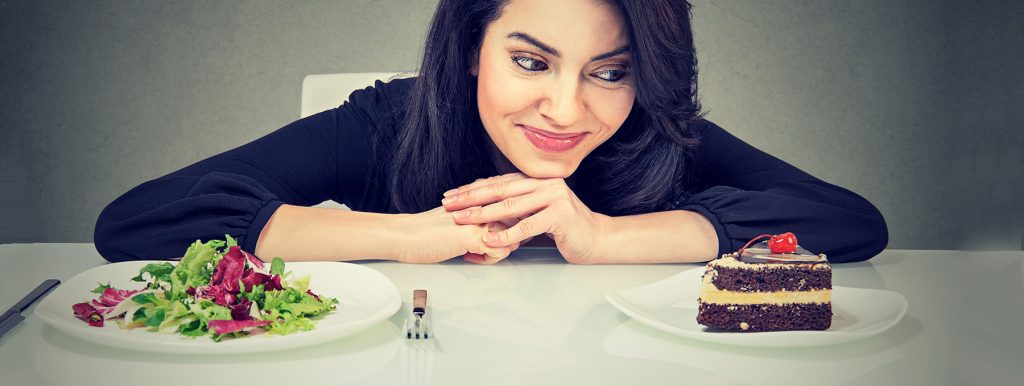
[(491, 193), (485, 181), (483, 259), (499, 226), (472, 257), (490, 256), (511, 222), (522, 206), (542, 222)]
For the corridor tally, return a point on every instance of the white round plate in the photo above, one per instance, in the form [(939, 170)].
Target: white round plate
[(670, 305), (365, 297)]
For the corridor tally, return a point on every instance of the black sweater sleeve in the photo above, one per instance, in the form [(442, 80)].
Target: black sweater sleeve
[(314, 159), (746, 192)]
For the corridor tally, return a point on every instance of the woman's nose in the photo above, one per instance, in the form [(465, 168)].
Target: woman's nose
[(564, 102)]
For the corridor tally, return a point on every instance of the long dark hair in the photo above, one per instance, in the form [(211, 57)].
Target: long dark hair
[(441, 142)]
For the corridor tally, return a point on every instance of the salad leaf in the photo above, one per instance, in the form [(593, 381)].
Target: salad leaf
[(195, 267), (222, 327), (277, 266), (112, 302), (192, 329), (175, 315), (146, 298), (155, 317), (157, 271), (88, 313), (229, 270), (101, 288), (240, 310)]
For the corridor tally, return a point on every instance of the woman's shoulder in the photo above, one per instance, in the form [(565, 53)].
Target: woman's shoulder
[(385, 99), (712, 138)]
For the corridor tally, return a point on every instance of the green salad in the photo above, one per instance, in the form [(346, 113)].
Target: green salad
[(216, 290)]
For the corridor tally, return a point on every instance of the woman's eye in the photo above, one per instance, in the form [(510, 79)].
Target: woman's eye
[(612, 75), (529, 64)]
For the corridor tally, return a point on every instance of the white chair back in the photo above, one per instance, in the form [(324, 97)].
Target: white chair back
[(321, 92), (326, 91)]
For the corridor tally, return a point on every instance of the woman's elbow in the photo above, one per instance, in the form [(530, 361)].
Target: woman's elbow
[(874, 239), (104, 238)]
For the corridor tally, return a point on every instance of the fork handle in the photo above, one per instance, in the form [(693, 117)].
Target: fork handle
[(419, 301)]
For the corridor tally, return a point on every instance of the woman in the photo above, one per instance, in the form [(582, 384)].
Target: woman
[(574, 119)]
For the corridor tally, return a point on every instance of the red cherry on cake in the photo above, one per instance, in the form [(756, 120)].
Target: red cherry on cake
[(784, 243)]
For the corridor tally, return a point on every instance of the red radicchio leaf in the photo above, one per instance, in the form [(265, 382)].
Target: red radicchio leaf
[(240, 311), (88, 313), (229, 326), (254, 261), (253, 278), (229, 270), (273, 284), (219, 295), (112, 297), (315, 296), (102, 308)]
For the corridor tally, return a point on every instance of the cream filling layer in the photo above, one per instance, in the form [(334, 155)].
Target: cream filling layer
[(711, 294)]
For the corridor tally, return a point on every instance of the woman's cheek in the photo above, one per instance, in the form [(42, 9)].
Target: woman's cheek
[(614, 108)]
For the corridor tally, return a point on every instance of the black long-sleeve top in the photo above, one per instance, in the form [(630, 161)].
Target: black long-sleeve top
[(742, 191)]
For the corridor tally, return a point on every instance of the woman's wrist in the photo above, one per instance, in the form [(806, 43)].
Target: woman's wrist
[(297, 233), (661, 237)]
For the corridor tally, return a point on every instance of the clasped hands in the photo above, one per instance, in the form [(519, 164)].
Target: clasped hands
[(486, 220)]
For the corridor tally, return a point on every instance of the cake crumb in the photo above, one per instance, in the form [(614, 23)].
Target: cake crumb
[(744, 326)]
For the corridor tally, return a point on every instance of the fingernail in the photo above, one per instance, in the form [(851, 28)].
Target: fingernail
[(451, 192), (491, 237), (449, 200), (460, 214)]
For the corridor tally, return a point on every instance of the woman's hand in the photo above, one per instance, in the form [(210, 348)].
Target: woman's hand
[(544, 206), (432, 237)]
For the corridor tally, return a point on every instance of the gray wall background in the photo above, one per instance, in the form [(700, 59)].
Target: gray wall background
[(915, 105)]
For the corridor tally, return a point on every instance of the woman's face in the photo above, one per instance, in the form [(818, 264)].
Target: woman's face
[(553, 82)]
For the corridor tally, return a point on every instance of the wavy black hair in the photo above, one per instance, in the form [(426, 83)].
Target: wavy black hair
[(440, 143)]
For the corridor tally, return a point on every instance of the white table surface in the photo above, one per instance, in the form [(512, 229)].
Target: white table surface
[(536, 320)]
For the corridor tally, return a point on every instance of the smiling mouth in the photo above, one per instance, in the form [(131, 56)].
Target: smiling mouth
[(551, 134), (552, 142)]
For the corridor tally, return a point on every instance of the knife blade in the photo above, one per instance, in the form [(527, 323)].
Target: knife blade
[(27, 301)]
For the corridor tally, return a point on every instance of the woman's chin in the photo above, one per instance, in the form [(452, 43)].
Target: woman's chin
[(549, 170)]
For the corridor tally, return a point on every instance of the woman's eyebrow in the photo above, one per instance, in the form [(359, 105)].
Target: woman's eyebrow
[(546, 48)]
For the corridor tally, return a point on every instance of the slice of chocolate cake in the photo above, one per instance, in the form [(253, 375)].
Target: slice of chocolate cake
[(758, 290)]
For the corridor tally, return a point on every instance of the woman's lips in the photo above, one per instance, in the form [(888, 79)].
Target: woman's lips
[(551, 142)]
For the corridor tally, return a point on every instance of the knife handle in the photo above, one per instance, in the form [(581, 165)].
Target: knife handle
[(9, 324), (419, 301)]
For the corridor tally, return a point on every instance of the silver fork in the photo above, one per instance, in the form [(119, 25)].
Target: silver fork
[(421, 345), (418, 327)]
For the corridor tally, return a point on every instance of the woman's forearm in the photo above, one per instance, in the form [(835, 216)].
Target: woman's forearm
[(297, 233), (676, 236)]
